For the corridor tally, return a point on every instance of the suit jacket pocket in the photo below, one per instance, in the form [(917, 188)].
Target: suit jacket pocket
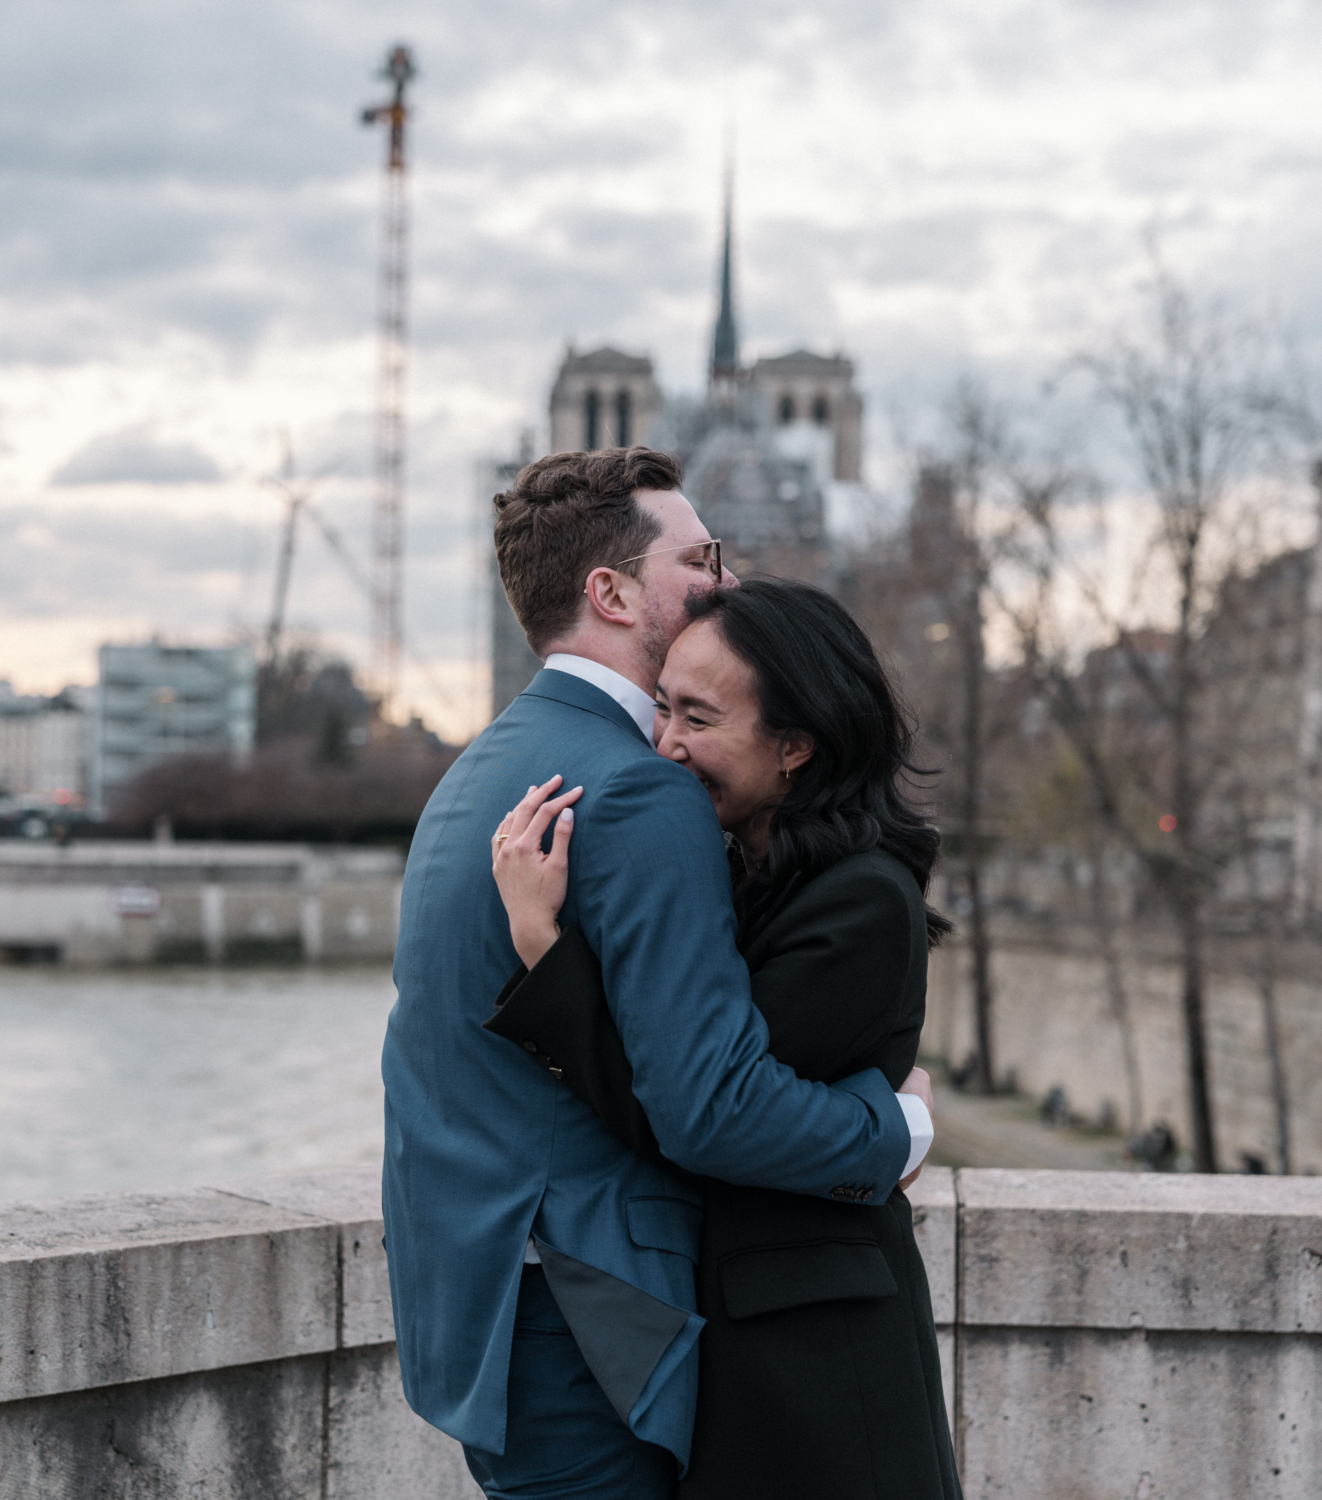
[(781, 1276), (665, 1224)]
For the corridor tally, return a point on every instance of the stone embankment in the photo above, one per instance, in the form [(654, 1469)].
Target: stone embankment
[(1104, 1336), (130, 901), (1054, 1027)]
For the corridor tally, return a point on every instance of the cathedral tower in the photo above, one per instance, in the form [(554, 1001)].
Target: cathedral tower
[(724, 372)]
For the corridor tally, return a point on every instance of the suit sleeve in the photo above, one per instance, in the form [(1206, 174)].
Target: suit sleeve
[(650, 891), (833, 992)]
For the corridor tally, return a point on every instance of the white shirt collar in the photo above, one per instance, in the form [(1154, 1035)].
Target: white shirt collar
[(640, 706)]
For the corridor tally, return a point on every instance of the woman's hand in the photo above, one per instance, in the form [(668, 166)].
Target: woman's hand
[(532, 884)]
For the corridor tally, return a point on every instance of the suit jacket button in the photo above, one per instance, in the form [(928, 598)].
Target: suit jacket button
[(557, 1073), (530, 1046), (840, 1192)]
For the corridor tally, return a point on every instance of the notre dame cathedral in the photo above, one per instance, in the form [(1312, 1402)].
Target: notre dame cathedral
[(760, 451)]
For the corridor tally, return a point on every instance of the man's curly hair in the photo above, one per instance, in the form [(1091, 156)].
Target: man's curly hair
[(565, 515)]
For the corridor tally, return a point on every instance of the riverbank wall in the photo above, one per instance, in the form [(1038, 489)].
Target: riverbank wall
[(1054, 1026), (131, 901), (1102, 1336)]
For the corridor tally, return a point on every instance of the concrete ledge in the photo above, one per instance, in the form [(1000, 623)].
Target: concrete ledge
[(935, 1211), (1121, 1250), (1102, 1337), (99, 1290), (325, 1427), (351, 1200), (1105, 1414)]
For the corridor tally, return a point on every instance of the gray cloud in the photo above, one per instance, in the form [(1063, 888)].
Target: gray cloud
[(184, 168), (133, 456), (199, 171)]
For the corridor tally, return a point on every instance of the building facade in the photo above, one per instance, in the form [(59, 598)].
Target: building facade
[(814, 393), (604, 399), (760, 449), (156, 701), (45, 747)]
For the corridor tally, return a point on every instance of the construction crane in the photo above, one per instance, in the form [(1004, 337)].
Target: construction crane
[(297, 493), (297, 496), (392, 365)]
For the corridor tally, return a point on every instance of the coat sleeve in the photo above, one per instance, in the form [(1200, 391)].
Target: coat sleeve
[(650, 892), (557, 1012)]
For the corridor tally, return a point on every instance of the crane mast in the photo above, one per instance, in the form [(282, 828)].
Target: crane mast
[(296, 496), (392, 370)]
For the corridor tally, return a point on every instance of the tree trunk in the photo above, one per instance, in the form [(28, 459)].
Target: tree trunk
[(1304, 893), (1268, 928), (1192, 997), (979, 933), (1116, 993), (1272, 1037), (980, 942), (1186, 876)]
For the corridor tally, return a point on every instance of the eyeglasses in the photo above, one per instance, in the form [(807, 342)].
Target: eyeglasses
[(711, 557)]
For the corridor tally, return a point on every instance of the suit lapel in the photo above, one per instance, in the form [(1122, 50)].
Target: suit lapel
[(561, 687)]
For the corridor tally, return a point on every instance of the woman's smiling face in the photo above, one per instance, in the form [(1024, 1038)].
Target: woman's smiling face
[(709, 720)]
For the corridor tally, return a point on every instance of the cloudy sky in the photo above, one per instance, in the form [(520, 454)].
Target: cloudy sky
[(188, 237)]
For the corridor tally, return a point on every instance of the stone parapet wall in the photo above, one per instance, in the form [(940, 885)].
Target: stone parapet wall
[(1103, 1336)]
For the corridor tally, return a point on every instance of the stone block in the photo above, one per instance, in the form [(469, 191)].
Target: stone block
[(120, 1287), (351, 1198), (252, 1433), (1121, 1250), (377, 1448), (932, 1198), (1083, 1414)]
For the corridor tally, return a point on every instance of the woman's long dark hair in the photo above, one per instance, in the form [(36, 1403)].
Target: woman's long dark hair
[(816, 672)]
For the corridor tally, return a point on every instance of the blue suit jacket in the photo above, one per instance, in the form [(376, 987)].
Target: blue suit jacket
[(483, 1147)]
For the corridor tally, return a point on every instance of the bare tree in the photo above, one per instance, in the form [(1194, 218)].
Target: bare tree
[(964, 488), (1152, 735), (1308, 807), (1117, 991)]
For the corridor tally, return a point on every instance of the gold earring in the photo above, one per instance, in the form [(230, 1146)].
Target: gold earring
[(786, 770)]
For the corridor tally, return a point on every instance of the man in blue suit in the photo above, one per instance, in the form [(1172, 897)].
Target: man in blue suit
[(542, 1274)]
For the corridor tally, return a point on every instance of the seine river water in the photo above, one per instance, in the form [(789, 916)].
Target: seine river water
[(117, 1081)]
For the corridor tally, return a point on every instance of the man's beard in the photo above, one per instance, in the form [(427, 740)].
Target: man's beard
[(658, 636), (656, 643)]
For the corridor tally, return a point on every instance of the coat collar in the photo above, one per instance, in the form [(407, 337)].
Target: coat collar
[(760, 919), (560, 687)]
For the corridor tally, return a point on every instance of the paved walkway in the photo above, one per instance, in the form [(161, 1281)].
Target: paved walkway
[(973, 1131)]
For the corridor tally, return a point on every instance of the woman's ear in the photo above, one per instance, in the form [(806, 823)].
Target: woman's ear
[(796, 750)]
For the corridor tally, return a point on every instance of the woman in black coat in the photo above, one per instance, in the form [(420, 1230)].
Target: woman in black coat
[(819, 1374)]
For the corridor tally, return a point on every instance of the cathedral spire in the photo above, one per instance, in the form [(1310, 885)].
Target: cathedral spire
[(725, 342)]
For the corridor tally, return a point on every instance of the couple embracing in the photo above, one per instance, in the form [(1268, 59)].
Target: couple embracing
[(650, 1091)]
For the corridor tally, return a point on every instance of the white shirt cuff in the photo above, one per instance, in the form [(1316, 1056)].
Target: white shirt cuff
[(921, 1131)]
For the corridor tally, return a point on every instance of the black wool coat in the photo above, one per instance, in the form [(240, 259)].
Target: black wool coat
[(819, 1377)]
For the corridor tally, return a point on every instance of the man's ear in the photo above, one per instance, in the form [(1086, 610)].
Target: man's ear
[(796, 750), (609, 597)]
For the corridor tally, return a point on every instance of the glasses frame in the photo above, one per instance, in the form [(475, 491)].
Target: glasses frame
[(713, 564)]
